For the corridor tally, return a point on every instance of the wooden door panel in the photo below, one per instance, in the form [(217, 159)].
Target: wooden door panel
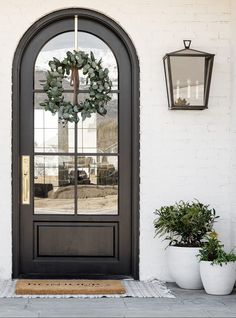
[(66, 239)]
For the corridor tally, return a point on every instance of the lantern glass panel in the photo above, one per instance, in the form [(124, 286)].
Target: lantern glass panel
[(167, 80), (188, 80)]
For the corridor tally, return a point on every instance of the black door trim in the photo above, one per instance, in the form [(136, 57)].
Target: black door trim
[(30, 33)]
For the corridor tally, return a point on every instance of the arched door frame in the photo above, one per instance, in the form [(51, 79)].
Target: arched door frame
[(30, 33)]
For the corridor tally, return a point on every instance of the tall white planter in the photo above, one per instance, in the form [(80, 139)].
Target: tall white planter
[(184, 266), (218, 280)]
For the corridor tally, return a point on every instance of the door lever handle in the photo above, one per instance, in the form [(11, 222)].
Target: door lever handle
[(25, 179)]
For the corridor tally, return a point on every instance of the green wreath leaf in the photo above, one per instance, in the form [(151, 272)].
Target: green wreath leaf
[(97, 78)]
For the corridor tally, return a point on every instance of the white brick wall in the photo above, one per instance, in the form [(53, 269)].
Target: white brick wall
[(184, 154)]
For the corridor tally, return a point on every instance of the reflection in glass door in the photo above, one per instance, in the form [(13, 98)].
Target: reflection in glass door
[(75, 167)]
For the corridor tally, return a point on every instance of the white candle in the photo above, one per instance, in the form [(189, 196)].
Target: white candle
[(197, 89), (76, 32), (177, 89), (189, 92)]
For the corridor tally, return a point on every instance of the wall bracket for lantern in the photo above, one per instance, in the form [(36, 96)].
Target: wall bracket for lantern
[(187, 44), (188, 78)]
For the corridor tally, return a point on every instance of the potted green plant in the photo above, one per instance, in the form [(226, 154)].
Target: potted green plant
[(217, 268), (185, 225)]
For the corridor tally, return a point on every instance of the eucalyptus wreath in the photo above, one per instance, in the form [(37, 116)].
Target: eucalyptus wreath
[(97, 78)]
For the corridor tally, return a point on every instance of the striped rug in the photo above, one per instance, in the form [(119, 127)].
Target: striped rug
[(137, 289)]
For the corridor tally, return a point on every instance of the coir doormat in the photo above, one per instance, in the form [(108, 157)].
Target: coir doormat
[(69, 287), (134, 288)]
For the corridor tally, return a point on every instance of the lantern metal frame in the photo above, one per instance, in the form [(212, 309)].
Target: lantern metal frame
[(209, 61)]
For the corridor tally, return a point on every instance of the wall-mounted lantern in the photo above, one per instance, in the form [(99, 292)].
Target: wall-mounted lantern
[(188, 77)]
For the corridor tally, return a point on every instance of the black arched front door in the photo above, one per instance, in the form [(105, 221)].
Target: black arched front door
[(75, 188)]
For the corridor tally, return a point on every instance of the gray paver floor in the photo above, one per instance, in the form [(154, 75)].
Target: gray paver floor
[(186, 304)]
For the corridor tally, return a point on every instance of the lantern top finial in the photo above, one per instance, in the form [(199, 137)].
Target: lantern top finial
[(187, 44)]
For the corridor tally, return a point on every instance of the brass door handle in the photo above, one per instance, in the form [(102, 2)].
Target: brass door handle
[(25, 179)]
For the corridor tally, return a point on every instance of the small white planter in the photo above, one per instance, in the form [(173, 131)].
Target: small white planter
[(218, 280), (184, 266)]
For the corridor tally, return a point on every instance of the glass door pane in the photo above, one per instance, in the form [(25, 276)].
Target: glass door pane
[(49, 134), (59, 150), (97, 189), (99, 134), (54, 193), (58, 46)]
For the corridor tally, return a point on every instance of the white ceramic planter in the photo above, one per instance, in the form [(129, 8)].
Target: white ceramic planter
[(218, 280), (184, 266)]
